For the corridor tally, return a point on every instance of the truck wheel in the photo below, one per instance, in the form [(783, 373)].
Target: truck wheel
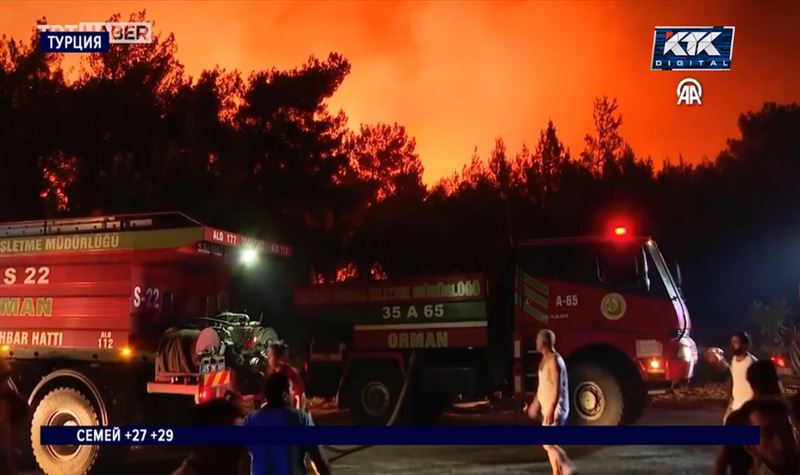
[(64, 407), (636, 399), (595, 396), (374, 392)]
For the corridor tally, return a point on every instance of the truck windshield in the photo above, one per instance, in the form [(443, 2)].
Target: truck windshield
[(629, 267)]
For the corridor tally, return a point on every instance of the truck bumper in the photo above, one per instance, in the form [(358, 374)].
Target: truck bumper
[(677, 364), (680, 370)]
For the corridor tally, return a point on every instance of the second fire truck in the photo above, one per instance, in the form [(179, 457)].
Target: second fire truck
[(618, 313)]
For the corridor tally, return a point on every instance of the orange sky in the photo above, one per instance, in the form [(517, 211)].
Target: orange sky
[(457, 74)]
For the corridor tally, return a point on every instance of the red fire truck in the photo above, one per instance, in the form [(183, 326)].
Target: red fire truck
[(618, 314), (114, 320)]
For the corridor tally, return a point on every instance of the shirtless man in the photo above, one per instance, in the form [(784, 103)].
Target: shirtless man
[(552, 398)]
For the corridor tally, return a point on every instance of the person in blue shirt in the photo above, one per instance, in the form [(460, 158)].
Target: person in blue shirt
[(216, 460), (277, 412)]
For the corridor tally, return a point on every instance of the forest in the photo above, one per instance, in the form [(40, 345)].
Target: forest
[(262, 154)]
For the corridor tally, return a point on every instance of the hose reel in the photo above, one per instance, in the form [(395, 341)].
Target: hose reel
[(229, 336)]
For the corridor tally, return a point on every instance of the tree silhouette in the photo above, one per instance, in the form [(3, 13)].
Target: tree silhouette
[(521, 168), (31, 87), (263, 154), (385, 158), (606, 145), (548, 162), (287, 158), (475, 173), (500, 167)]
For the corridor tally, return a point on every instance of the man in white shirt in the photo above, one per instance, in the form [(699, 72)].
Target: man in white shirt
[(552, 398), (740, 390)]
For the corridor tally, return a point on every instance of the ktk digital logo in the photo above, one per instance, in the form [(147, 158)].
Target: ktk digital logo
[(692, 48)]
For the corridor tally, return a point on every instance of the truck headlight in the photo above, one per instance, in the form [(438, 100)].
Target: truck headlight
[(248, 256)]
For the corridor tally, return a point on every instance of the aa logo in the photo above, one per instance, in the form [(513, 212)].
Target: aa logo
[(613, 306), (689, 92)]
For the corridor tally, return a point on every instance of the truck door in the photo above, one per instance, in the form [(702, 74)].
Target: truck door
[(547, 277)]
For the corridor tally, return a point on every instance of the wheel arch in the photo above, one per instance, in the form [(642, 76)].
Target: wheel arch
[(618, 362), (625, 371), (389, 368), (358, 360), (73, 379)]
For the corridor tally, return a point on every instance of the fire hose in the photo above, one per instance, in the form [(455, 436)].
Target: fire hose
[(174, 351), (345, 450), (173, 356)]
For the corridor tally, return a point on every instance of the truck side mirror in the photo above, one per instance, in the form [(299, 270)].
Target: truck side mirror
[(677, 273)]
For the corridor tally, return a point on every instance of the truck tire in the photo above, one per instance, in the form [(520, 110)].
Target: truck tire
[(374, 391), (595, 396), (636, 399), (64, 406)]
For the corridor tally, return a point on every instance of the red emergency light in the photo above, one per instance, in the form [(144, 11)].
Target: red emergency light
[(620, 231)]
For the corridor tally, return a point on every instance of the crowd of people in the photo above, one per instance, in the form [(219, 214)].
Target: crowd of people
[(284, 406), (756, 399)]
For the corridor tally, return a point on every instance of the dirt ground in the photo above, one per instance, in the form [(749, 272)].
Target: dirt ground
[(693, 406), (655, 460)]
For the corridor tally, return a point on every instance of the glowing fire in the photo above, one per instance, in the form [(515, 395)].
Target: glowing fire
[(346, 272)]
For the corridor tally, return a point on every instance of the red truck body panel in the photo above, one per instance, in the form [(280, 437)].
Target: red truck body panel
[(577, 324), (427, 312), (105, 289), (642, 328), (651, 330)]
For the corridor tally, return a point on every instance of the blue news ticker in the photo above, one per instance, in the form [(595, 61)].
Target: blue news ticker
[(403, 435)]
